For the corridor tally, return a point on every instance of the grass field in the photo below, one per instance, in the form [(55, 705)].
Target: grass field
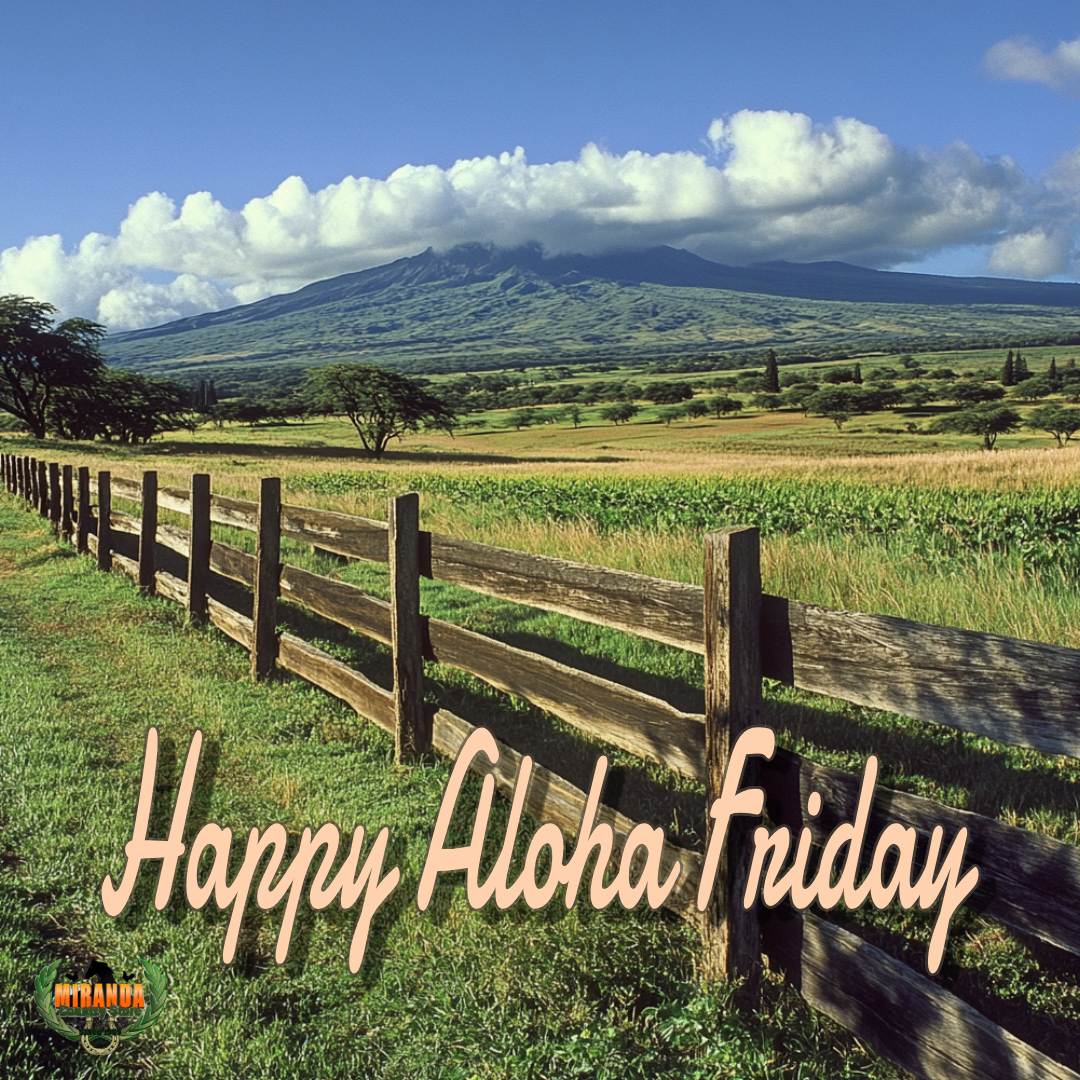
[(851, 520), (85, 665)]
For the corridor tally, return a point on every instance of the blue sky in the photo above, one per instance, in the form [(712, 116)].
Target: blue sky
[(118, 100)]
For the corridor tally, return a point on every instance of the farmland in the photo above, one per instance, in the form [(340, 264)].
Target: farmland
[(924, 526)]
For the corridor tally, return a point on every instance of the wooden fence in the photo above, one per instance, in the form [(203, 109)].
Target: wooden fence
[(1017, 692)]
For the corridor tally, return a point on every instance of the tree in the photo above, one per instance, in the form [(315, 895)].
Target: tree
[(767, 401), (120, 406), (37, 358), (856, 374), (1008, 371), (772, 373), (1057, 420), (917, 395), (986, 420), (574, 415), (1020, 368), (1052, 374), (523, 418), (722, 405), (672, 412), (697, 408), (381, 405), (838, 403), (1038, 386), (621, 413), (668, 393), (972, 393)]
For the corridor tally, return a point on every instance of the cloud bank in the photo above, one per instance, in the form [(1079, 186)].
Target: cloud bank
[(1021, 59), (762, 185)]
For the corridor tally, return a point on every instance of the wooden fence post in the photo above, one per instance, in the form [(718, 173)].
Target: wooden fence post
[(4, 468), (54, 497), (19, 482), (264, 641), (28, 479), (199, 547), (732, 704), (66, 503), (42, 489), (412, 732), (82, 523), (148, 531), (104, 529)]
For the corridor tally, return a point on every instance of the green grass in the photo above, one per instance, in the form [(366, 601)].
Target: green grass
[(86, 665)]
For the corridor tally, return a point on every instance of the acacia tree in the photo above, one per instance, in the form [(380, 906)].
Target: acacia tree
[(38, 357), (1057, 420), (381, 405), (989, 421), (120, 406)]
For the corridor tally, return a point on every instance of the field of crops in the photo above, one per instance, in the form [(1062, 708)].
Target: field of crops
[(1042, 526)]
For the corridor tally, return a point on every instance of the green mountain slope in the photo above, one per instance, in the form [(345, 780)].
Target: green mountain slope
[(478, 306)]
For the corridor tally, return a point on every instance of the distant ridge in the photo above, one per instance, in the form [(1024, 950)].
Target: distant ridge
[(477, 303)]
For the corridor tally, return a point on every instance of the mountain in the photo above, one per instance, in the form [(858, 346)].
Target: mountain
[(481, 306)]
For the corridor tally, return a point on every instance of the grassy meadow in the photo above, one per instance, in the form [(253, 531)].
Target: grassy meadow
[(924, 526)]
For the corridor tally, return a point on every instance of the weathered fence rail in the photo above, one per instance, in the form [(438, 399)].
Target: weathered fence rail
[(1017, 692)]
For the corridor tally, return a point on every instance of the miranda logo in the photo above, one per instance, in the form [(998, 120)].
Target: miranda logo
[(104, 1010)]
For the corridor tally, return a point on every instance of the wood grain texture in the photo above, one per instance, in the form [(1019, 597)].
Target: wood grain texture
[(229, 622), (198, 547), (267, 572), (337, 601), (55, 497), (637, 722), (148, 524), (551, 798), (1026, 881), (42, 490), (67, 502), (1017, 692), (644, 725), (412, 735), (732, 617), (900, 1013), (649, 607), (232, 563), (104, 516), (82, 524), (369, 699)]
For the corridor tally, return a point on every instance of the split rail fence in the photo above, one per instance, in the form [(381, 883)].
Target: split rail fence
[(1017, 692)]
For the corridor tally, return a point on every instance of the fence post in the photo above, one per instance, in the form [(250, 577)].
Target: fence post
[(19, 475), (104, 529), (43, 489), (4, 468), (412, 731), (82, 523), (199, 547), (732, 704), (54, 497), (148, 531), (264, 642), (28, 479), (66, 502)]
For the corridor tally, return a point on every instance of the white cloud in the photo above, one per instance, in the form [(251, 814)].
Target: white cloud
[(1039, 253), (1022, 59), (767, 185)]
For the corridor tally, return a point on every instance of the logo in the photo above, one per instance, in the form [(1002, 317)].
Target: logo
[(102, 1009)]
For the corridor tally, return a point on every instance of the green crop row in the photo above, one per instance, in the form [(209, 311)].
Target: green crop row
[(1042, 526)]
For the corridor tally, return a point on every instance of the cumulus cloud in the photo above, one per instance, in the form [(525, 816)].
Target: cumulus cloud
[(1022, 59), (763, 185)]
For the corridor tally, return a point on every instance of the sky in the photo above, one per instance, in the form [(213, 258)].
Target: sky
[(157, 162)]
